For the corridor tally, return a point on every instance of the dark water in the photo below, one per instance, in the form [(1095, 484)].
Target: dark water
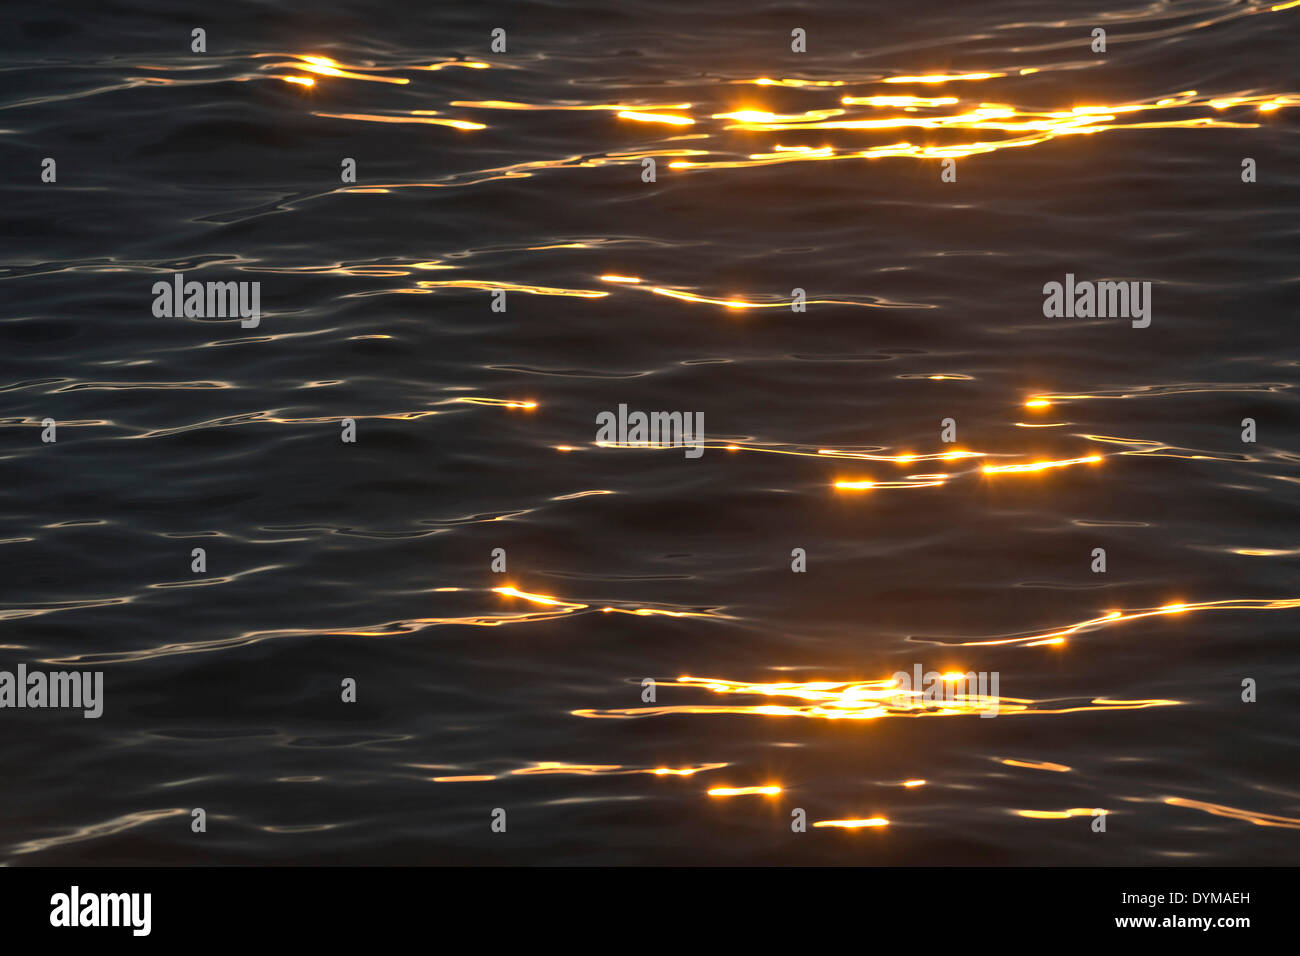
[(371, 560)]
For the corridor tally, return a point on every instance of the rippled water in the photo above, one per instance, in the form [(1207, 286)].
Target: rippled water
[(522, 171)]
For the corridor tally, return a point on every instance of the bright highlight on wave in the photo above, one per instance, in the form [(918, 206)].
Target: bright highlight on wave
[(854, 824), (1249, 816), (557, 767), (856, 700), (1036, 765), (641, 117), (487, 286), (1018, 126), (1111, 618), (503, 402), (1040, 465), (536, 598), (549, 767), (1061, 814)]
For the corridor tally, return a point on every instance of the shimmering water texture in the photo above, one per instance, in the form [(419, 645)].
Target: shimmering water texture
[(907, 466)]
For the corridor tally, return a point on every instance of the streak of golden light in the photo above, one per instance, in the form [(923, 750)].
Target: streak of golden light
[(385, 118), (467, 64), (487, 285), (854, 824), (1249, 816), (656, 118), (1040, 465), (942, 77), (768, 81), (565, 107), (503, 402), (537, 598), (548, 767), (1117, 617), (1036, 765), (857, 700), (900, 101)]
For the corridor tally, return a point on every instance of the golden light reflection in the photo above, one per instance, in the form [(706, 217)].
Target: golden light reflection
[(548, 767), (744, 791), (664, 612), (854, 824), (735, 302), (796, 83), (324, 66), (854, 485), (583, 494), (487, 285), (906, 459), (856, 700), (1012, 124), (557, 767), (1249, 816), (563, 107), (1040, 465), (448, 64), (941, 77), (426, 118), (868, 483), (748, 117), (1118, 617), (656, 118), (1037, 765), (537, 598), (1061, 814), (1023, 126), (911, 481), (732, 303), (899, 101), (503, 402)]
